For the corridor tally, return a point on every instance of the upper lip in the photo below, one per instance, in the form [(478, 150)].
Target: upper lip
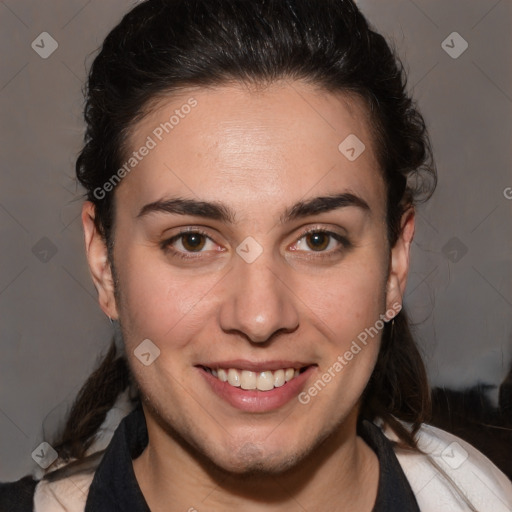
[(256, 366)]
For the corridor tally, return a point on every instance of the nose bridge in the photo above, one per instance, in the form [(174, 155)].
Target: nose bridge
[(258, 303)]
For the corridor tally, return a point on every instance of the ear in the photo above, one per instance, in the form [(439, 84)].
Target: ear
[(399, 264), (99, 266)]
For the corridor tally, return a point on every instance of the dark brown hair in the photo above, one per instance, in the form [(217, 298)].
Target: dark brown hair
[(161, 46)]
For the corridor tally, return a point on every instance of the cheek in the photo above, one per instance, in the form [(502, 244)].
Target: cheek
[(348, 301), (346, 307), (159, 303), (352, 314)]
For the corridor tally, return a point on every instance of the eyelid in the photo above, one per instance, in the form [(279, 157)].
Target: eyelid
[(166, 244), (341, 239)]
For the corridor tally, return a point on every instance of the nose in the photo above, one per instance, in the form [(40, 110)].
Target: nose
[(259, 302)]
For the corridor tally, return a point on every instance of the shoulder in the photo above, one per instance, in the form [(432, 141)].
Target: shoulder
[(43, 492), (30, 495), (18, 496), (69, 491), (452, 474), (66, 495)]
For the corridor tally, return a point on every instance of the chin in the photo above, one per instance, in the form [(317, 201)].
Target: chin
[(246, 450), (253, 460), (236, 455)]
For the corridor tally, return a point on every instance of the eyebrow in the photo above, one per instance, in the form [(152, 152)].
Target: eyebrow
[(218, 211)]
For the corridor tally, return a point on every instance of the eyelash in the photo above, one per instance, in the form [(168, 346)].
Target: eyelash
[(166, 245)]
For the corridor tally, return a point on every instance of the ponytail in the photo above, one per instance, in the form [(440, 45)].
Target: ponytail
[(398, 389), (94, 400)]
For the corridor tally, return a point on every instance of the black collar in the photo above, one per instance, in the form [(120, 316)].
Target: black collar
[(394, 491), (115, 488)]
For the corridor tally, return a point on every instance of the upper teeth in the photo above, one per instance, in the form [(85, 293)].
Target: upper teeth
[(262, 381)]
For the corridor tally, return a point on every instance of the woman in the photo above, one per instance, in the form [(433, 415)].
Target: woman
[(251, 171)]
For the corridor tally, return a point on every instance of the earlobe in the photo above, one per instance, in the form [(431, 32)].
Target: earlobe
[(400, 258), (99, 265)]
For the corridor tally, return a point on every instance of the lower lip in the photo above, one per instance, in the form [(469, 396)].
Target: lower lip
[(254, 400)]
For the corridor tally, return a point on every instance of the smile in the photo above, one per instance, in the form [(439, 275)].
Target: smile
[(256, 387), (248, 380)]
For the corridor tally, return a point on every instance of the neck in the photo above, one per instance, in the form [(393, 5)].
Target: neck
[(340, 474)]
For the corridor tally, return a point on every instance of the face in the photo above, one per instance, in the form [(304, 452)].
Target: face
[(249, 247)]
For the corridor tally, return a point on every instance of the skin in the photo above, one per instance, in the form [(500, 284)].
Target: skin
[(257, 152)]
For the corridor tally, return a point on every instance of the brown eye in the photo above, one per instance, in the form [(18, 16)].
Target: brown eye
[(192, 241), (326, 243), (318, 241), (188, 244)]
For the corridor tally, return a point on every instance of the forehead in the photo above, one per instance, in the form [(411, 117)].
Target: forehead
[(252, 148)]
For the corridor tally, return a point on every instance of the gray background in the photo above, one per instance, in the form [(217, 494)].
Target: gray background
[(459, 293)]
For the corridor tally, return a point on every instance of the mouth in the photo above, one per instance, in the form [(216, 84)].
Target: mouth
[(257, 387), (248, 380)]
